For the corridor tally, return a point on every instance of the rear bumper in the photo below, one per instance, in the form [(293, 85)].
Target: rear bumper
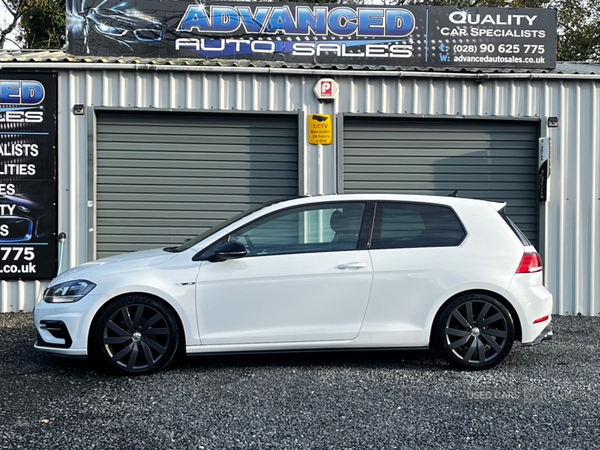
[(545, 335), (532, 302)]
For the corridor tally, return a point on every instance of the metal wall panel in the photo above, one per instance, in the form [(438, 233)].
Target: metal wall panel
[(484, 159), (569, 230), (163, 177)]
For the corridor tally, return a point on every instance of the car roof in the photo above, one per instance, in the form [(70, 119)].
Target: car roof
[(443, 200)]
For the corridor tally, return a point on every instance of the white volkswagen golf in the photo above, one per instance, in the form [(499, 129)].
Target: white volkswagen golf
[(329, 272)]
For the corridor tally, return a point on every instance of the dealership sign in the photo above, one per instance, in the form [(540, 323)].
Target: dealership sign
[(544, 167), (28, 187), (315, 33)]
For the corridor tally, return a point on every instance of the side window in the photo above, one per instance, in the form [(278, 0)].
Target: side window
[(410, 225), (304, 229)]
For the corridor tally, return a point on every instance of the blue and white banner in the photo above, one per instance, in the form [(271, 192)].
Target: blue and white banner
[(314, 33), (28, 176)]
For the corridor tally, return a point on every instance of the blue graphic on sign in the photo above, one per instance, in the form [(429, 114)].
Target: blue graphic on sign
[(26, 92), (304, 20)]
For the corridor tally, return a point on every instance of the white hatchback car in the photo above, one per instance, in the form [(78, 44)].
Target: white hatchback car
[(329, 272)]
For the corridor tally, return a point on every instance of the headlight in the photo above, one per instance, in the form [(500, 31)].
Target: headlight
[(109, 29), (68, 292)]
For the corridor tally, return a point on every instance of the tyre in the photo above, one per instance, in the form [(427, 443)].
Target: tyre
[(474, 332), (136, 335)]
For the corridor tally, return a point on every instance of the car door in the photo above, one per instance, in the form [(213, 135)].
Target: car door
[(416, 255), (307, 277)]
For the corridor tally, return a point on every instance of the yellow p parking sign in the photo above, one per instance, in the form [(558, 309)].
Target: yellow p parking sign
[(320, 129)]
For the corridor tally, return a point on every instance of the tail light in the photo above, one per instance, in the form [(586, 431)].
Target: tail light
[(530, 263)]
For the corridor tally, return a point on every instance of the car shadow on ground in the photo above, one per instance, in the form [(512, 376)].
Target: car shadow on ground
[(379, 359), (417, 360), (25, 359), (383, 359)]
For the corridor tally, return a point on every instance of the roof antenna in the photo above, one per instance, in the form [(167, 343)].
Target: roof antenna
[(454, 194)]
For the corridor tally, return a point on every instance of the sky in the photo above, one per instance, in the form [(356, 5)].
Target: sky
[(5, 18)]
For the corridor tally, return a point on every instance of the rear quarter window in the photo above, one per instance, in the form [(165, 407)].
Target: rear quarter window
[(412, 225), (514, 228)]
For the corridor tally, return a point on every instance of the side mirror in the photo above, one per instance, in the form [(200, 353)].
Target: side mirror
[(228, 250)]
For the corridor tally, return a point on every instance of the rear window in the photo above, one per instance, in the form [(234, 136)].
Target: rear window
[(515, 228), (410, 225)]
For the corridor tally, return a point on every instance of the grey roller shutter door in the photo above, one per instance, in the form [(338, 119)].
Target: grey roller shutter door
[(484, 159), (165, 177)]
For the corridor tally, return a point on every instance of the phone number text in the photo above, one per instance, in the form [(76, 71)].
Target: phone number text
[(531, 49)]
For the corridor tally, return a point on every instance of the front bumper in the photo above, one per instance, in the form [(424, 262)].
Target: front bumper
[(545, 335), (60, 328), (57, 330)]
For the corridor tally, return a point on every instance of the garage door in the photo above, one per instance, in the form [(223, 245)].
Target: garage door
[(484, 159), (165, 177)]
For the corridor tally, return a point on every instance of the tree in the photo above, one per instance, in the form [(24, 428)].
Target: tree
[(16, 8), (579, 30), (42, 23)]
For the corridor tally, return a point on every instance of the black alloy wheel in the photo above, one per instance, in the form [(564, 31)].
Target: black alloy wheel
[(137, 335), (474, 332)]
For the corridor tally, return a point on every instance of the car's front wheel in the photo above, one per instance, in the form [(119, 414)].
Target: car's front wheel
[(474, 332), (136, 335)]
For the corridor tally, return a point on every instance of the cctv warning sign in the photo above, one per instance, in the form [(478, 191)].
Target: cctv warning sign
[(320, 129)]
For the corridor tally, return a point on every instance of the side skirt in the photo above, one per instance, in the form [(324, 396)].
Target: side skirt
[(212, 350)]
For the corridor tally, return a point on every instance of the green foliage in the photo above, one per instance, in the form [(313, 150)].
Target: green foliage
[(42, 22), (44, 25), (579, 30)]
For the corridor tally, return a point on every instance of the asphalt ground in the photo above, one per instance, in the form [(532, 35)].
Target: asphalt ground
[(542, 397)]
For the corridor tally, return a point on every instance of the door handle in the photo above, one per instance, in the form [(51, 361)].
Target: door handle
[(356, 265)]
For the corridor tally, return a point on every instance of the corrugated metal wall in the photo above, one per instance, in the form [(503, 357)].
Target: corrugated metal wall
[(493, 160), (570, 222), (164, 177)]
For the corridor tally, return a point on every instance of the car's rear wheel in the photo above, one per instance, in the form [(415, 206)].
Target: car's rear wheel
[(474, 332), (136, 335)]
